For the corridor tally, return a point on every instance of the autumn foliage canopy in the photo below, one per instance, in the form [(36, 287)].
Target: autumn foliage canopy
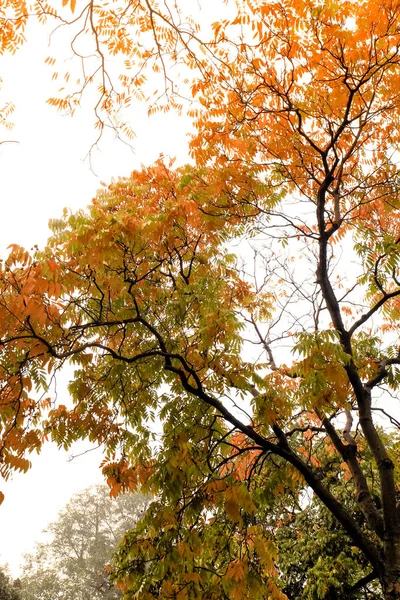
[(233, 324)]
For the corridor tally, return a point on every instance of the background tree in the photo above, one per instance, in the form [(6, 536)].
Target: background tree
[(9, 589), (71, 563), (296, 130)]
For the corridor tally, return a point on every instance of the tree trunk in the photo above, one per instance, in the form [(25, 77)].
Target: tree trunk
[(390, 579)]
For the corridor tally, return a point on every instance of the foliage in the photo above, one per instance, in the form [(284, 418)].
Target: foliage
[(229, 320), (106, 64), (9, 589), (72, 563), (317, 558)]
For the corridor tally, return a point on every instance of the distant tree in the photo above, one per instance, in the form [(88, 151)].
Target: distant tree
[(72, 563), (9, 589)]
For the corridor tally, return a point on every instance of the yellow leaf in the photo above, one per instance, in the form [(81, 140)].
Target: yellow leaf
[(191, 577)]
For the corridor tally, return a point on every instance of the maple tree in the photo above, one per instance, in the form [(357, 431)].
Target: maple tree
[(230, 320)]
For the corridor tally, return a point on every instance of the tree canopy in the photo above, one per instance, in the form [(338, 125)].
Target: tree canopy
[(73, 562), (9, 589), (233, 323)]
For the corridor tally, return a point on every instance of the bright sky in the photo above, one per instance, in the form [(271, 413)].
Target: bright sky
[(41, 175)]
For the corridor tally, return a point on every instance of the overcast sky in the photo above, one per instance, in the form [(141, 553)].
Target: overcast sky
[(40, 175)]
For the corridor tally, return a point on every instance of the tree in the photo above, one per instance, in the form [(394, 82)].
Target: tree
[(9, 589), (72, 563), (315, 558), (254, 370)]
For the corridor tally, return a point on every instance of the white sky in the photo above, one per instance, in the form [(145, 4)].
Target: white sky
[(41, 175)]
